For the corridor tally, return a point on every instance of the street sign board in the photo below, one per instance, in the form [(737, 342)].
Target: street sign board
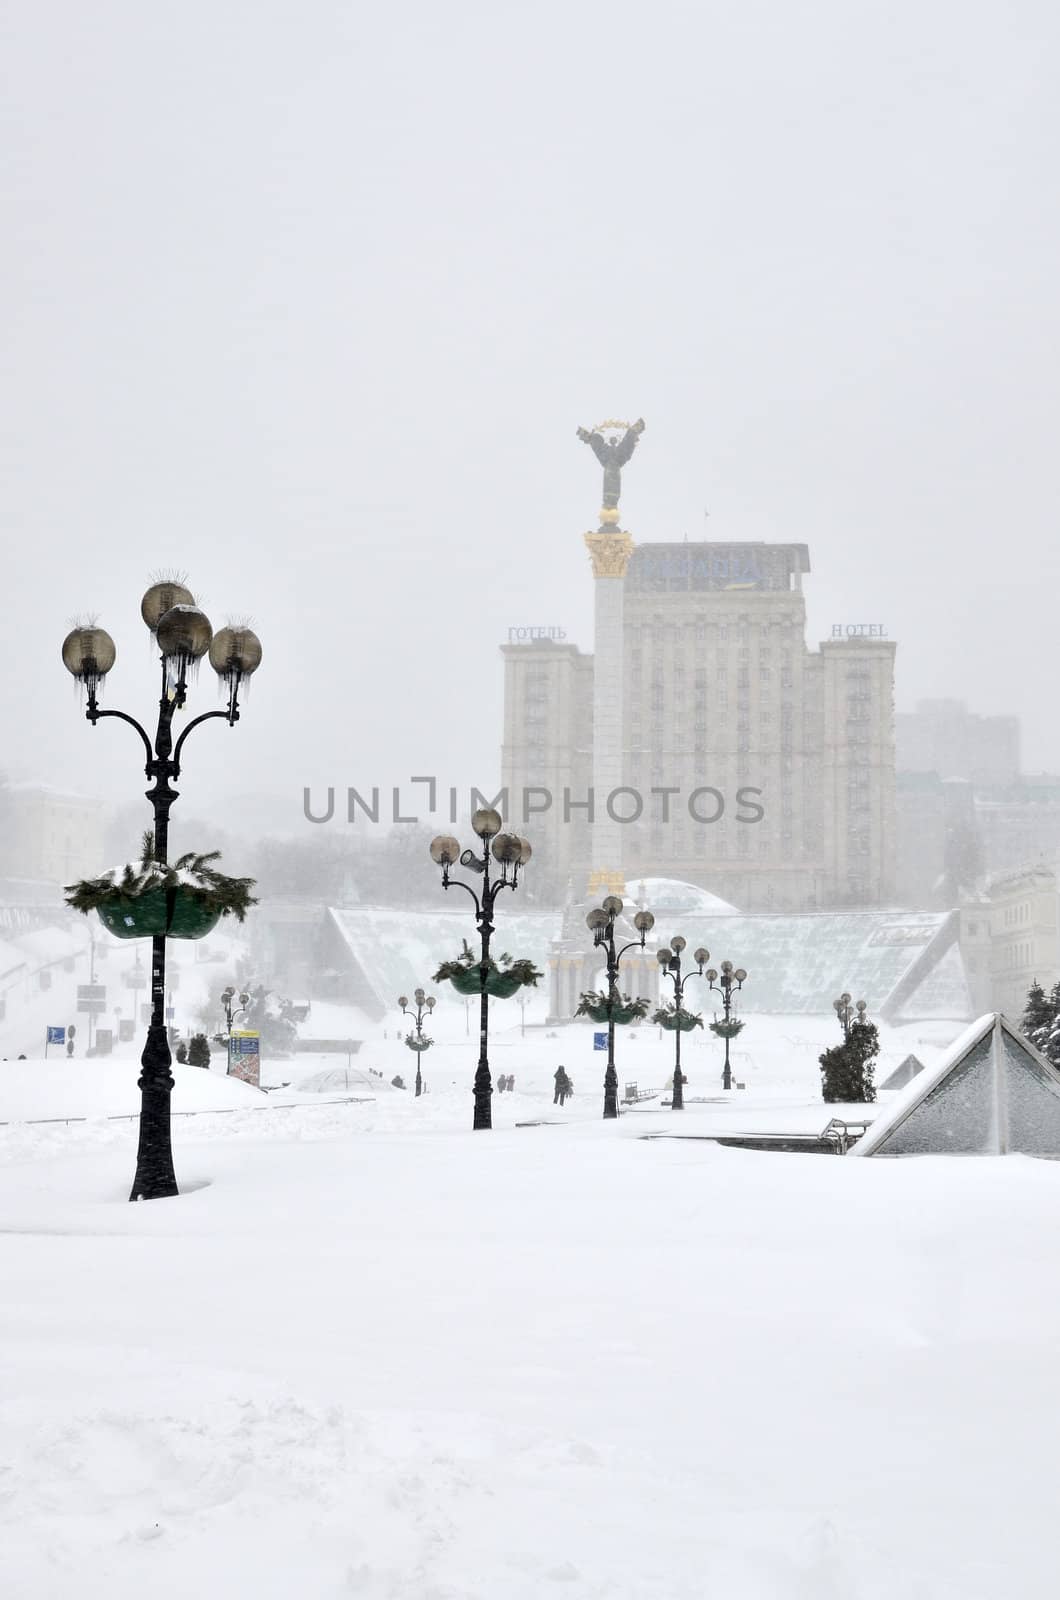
[(126, 1030), (92, 997), (56, 1035), (244, 1056), (599, 1041)]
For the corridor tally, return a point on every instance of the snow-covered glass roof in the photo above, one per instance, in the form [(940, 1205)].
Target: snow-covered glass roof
[(796, 964), (800, 964), (399, 951)]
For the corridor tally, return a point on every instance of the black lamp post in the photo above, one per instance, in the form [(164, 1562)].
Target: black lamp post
[(670, 966), (848, 1013), (601, 923), (183, 635), (724, 984), (424, 1004), (510, 852), (230, 1009)]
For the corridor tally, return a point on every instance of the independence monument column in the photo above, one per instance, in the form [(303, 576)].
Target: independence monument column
[(609, 551)]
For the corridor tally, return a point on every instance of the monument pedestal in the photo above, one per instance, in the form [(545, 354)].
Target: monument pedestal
[(574, 962)]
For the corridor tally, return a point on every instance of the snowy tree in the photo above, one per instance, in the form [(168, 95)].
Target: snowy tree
[(847, 1071), (1039, 1015), (1047, 1038), (199, 1051), (271, 1018)]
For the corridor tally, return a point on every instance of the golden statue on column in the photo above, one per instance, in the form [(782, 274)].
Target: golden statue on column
[(610, 548)]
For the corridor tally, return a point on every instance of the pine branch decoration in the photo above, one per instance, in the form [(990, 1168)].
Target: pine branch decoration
[(193, 874)]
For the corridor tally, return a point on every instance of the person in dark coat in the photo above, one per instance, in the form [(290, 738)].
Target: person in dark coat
[(563, 1086)]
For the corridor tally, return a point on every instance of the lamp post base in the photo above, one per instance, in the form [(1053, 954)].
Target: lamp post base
[(483, 1099), (155, 1178), (610, 1093)]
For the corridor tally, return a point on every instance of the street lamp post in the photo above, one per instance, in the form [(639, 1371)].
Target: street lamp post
[(848, 1013), (424, 1004), (230, 1009), (510, 852), (670, 966), (724, 984), (601, 923), (183, 635)]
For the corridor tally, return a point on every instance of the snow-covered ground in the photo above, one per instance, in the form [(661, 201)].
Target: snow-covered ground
[(368, 1352)]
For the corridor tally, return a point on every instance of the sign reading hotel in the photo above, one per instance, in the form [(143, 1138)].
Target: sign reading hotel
[(858, 630)]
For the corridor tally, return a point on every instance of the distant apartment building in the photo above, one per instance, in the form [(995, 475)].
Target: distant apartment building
[(965, 813), (939, 848), (1010, 938), (1019, 824), (547, 753), (752, 765), (977, 952), (944, 737), (920, 827), (49, 836), (953, 834)]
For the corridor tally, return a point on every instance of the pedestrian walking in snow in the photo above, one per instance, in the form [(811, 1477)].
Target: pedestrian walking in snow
[(563, 1086)]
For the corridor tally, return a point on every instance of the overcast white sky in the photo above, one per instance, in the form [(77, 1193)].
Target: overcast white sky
[(309, 298)]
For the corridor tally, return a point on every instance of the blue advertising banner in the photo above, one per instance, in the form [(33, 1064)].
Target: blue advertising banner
[(599, 1041)]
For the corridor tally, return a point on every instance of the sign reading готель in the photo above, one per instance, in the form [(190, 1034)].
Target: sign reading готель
[(521, 635)]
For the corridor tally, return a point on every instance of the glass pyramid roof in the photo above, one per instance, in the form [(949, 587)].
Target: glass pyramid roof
[(991, 1093)]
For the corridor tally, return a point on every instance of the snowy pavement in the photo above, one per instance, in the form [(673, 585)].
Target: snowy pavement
[(370, 1353)]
